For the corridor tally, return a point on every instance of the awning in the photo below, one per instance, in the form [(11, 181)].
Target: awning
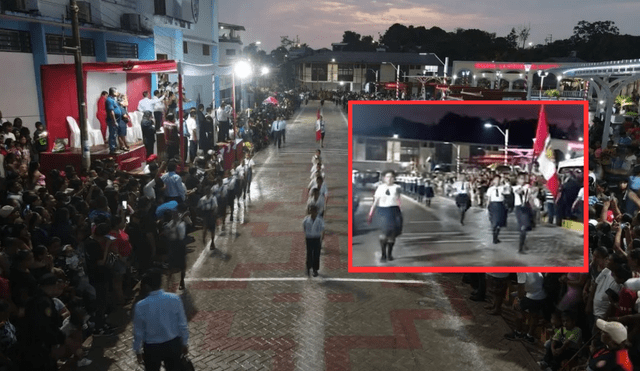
[(162, 66)]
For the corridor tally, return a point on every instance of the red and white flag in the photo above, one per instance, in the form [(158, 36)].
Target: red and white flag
[(542, 150)]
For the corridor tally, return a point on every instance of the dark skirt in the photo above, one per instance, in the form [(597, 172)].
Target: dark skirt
[(523, 215), (178, 255), (421, 190), (390, 220), (463, 200), (497, 214), (428, 190)]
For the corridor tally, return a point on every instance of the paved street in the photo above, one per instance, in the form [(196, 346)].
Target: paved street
[(255, 309), (433, 236)]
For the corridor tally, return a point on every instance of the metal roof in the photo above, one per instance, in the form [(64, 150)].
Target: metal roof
[(428, 59)]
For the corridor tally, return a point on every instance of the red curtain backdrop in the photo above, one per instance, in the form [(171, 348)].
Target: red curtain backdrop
[(136, 84), (59, 95)]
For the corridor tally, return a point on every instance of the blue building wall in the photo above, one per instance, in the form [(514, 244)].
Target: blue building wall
[(38, 32)]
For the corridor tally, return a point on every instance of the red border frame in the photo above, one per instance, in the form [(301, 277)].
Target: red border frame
[(376, 269)]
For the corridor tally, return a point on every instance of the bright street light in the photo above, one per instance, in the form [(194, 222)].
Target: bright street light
[(395, 135), (581, 139), (264, 70), (242, 69), (258, 43), (506, 138)]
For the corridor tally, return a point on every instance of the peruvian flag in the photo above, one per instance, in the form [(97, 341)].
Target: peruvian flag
[(544, 153)]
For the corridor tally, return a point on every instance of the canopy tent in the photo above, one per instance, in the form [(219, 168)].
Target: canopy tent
[(59, 87)]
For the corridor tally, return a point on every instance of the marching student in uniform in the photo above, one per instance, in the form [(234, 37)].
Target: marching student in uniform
[(428, 190), (240, 181), (420, 188), (317, 169), (462, 188), (317, 200), (319, 125), (248, 170), (208, 205), (497, 212), (313, 226), (522, 194), (508, 193), (317, 157), (387, 201)]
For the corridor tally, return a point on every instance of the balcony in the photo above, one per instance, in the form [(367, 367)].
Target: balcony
[(229, 39)]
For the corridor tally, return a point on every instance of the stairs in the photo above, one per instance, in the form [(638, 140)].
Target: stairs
[(131, 163)]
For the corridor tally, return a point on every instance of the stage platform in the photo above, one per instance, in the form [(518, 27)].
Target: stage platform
[(127, 161)]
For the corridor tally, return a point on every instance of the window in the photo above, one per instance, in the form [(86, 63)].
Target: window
[(55, 45), (185, 47), (319, 72), (206, 49), (122, 50), (376, 150), (15, 41), (160, 7), (231, 52), (409, 151), (345, 72), (308, 65)]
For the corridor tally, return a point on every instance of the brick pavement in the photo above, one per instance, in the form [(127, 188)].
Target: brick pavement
[(257, 310)]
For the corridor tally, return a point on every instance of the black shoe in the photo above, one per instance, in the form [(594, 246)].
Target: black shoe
[(315, 273), (383, 259), (476, 298), (514, 336), (390, 258)]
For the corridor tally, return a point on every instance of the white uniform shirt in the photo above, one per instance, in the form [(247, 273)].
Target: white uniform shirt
[(158, 105), (192, 126), (521, 199), (313, 228), (315, 159), (149, 190), (495, 194), (388, 195), (283, 125), (533, 285), (319, 203), (420, 182), (240, 172), (462, 187), (601, 302), (148, 104), (222, 114)]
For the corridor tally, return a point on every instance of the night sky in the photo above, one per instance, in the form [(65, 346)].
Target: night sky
[(465, 123)]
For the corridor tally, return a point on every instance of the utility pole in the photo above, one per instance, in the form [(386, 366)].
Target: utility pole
[(82, 105)]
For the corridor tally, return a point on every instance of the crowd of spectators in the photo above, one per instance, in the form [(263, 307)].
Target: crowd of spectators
[(74, 245)]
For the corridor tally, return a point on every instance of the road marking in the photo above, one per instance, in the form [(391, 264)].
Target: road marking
[(298, 279), (426, 221), (461, 233)]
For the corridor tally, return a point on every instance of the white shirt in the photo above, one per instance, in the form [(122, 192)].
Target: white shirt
[(315, 174), (314, 168), (319, 125), (240, 172), (521, 200), (158, 104), (390, 199), (276, 126), (313, 228), (315, 159), (601, 302), (192, 126), (495, 194), (461, 187), (533, 285), (580, 194), (313, 183), (149, 190), (148, 104), (420, 182), (222, 114), (319, 203)]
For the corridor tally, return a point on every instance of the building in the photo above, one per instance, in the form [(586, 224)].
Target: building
[(230, 51), (110, 31), (353, 71)]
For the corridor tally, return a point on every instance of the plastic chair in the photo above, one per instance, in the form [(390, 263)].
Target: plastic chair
[(95, 135), (134, 133)]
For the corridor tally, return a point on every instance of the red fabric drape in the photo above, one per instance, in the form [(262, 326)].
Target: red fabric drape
[(136, 84), (59, 95), (132, 67)]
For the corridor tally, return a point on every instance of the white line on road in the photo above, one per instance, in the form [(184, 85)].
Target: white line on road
[(425, 221), (285, 279)]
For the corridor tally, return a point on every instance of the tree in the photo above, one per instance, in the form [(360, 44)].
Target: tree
[(585, 32), (523, 34), (512, 38)]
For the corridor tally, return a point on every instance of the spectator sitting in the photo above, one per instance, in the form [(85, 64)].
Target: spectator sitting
[(564, 344)]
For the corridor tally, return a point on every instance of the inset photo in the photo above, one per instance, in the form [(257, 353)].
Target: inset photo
[(489, 186)]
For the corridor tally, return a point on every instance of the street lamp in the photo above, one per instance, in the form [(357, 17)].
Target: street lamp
[(395, 136), (376, 72), (506, 138), (465, 76), (397, 79), (458, 157), (243, 70), (527, 69), (542, 75)]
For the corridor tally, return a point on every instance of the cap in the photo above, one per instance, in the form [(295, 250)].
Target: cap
[(152, 157), (616, 330), (6, 211)]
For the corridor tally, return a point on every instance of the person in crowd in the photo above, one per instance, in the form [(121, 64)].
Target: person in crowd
[(387, 202), (101, 113), (613, 353), (158, 109), (148, 132), (276, 131), (463, 199), (564, 344), (175, 190), (192, 129), (313, 226), (160, 331), (114, 118), (222, 115), (171, 136), (498, 284), (529, 303)]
